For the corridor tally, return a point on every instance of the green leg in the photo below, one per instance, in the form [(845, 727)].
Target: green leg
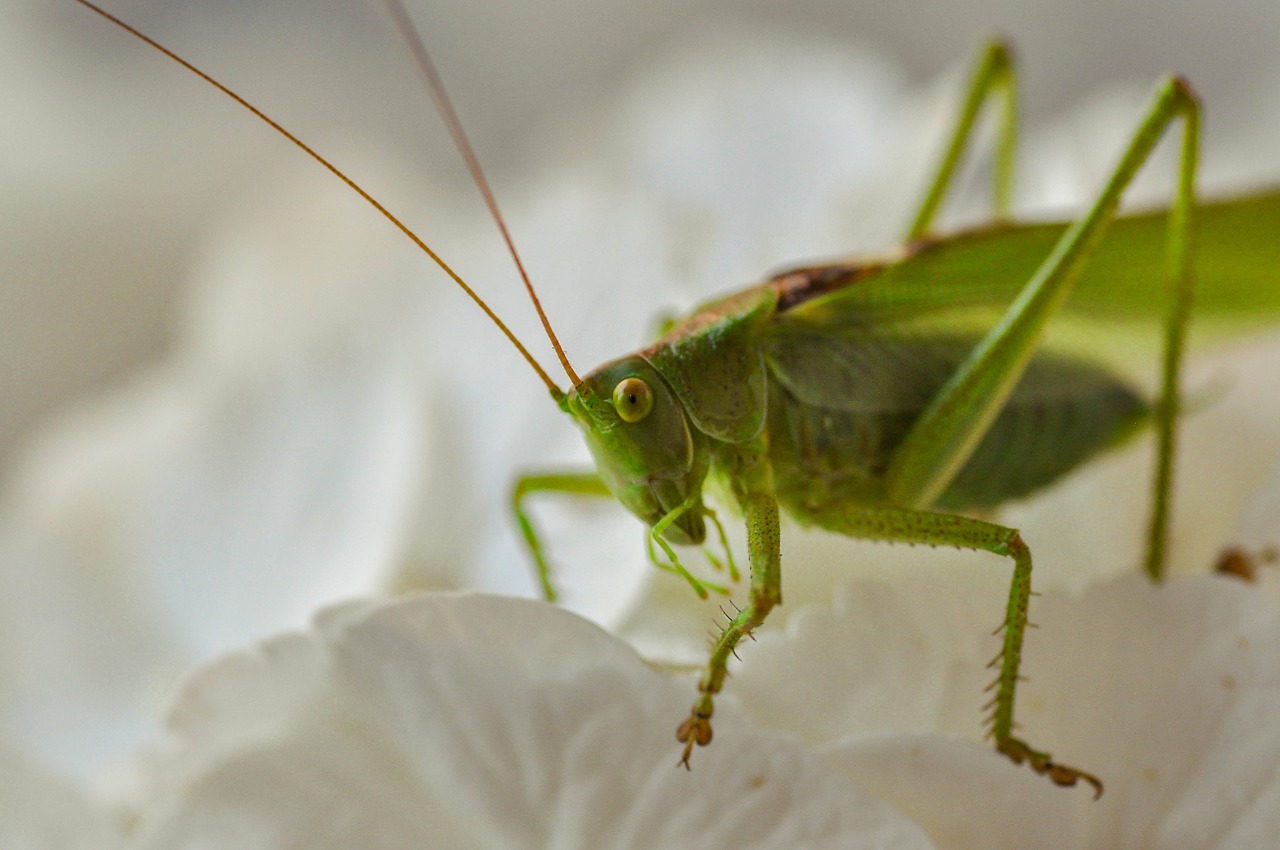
[(728, 562), (945, 435), (899, 525), (1181, 273), (589, 484), (672, 564), (993, 74), (753, 483), (572, 483)]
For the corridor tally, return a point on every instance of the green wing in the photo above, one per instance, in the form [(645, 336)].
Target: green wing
[(963, 282), (841, 402)]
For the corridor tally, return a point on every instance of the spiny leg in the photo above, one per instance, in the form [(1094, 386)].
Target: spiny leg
[(900, 525), (944, 436), (993, 74), (753, 485), (570, 483)]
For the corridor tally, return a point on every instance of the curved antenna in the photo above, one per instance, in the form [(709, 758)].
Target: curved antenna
[(546, 379), (436, 86)]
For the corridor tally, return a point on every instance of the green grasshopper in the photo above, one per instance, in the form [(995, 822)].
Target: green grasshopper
[(891, 399)]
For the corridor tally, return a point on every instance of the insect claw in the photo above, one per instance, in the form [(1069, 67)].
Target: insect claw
[(694, 730), (1042, 763), (1082, 775)]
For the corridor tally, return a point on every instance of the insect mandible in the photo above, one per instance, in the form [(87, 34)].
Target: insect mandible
[(852, 396)]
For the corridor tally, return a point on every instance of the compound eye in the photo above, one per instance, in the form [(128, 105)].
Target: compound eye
[(633, 399)]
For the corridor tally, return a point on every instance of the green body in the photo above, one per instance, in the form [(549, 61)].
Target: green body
[(833, 392)]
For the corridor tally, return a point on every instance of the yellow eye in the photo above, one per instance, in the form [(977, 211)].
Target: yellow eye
[(633, 399)]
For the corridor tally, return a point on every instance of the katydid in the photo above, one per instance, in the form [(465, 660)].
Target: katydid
[(889, 399)]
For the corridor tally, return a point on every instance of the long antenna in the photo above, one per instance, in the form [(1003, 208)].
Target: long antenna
[(551, 385), (436, 86)]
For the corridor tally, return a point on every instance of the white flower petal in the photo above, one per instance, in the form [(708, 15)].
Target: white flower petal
[(38, 811), (1167, 693), (218, 498), (960, 792), (812, 123), (84, 645), (480, 722), (201, 517), (888, 655)]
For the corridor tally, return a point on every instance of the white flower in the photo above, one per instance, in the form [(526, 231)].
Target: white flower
[(474, 721)]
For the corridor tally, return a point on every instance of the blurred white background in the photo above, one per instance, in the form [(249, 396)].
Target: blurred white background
[(98, 129)]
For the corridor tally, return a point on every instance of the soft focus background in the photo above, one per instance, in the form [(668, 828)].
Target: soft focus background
[(103, 202)]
